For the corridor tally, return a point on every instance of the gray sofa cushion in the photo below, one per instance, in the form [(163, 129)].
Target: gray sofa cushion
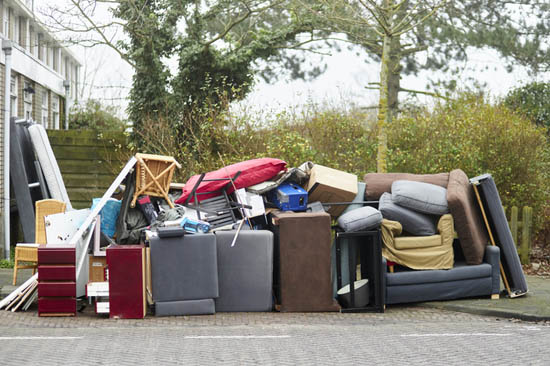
[(184, 268), (245, 271), (414, 223), (419, 196), (364, 218)]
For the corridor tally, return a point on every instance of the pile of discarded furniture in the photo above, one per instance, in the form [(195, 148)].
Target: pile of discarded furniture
[(254, 236)]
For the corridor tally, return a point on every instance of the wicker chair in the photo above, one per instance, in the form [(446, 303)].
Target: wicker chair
[(154, 174), (28, 253)]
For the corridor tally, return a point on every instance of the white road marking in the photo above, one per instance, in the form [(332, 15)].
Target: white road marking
[(458, 335), (237, 337), (36, 338)]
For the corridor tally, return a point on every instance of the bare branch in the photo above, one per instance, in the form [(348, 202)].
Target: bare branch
[(432, 94)]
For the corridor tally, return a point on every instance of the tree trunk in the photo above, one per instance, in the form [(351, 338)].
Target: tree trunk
[(394, 76), (384, 117)]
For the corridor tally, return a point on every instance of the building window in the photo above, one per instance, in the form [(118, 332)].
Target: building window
[(55, 65), (55, 111), (22, 30), (13, 92), (35, 45), (40, 46), (15, 37), (31, 41), (6, 22), (44, 119), (27, 99)]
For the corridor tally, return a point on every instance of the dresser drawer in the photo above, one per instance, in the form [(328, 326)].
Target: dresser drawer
[(57, 289), (49, 255), (56, 305), (56, 273)]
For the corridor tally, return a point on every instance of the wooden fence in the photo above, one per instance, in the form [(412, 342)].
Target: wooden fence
[(521, 230), (89, 161)]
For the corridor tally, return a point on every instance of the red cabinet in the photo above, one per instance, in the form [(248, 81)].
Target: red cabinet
[(56, 281), (126, 266)]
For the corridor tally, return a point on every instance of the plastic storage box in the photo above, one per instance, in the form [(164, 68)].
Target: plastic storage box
[(289, 197)]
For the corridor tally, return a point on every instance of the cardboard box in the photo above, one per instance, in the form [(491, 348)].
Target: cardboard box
[(330, 185), (97, 268)]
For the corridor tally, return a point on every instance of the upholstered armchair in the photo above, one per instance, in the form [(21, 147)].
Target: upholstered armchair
[(419, 252)]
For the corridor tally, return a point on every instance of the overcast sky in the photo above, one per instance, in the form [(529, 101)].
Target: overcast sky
[(108, 78)]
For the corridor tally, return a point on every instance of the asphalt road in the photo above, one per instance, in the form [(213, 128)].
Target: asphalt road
[(401, 336)]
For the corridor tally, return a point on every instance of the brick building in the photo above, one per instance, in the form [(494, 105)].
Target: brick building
[(44, 76)]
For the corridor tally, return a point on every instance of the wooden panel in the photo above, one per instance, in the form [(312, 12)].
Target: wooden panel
[(84, 194), (90, 180), (97, 269), (85, 166), (89, 161), (82, 153), (85, 138), (57, 289)]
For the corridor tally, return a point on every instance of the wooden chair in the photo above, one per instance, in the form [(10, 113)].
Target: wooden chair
[(28, 253), (154, 175)]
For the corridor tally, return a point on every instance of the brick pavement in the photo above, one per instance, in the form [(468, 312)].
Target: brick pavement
[(403, 335)]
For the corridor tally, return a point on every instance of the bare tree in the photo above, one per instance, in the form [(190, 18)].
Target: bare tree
[(378, 25)]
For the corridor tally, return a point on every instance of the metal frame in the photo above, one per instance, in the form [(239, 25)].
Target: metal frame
[(372, 240)]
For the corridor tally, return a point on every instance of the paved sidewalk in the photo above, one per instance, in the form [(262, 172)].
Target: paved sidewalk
[(534, 306)]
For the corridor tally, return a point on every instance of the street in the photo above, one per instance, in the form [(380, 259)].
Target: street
[(403, 335)]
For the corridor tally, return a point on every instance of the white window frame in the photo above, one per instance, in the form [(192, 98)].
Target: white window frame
[(44, 117), (6, 26), (15, 37), (55, 111), (40, 43), (27, 100), (14, 95)]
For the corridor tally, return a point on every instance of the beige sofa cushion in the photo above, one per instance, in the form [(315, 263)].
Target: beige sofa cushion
[(422, 254), (469, 226)]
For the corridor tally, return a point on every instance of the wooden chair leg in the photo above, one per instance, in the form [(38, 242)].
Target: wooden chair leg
[(15, 272)]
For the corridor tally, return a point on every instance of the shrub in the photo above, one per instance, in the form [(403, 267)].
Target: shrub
[(93, 115), (532, 100), (476, 137)]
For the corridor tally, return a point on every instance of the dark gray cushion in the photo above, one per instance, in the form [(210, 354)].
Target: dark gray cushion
[(245, 271), (185, 307), (419, 196), (184, 268), (364, 218), (442, 291), (414, 223)]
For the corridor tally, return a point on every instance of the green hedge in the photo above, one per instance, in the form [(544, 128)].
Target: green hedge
[(470, 133)]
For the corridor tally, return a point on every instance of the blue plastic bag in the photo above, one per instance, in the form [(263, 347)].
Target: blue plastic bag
[(109, 215)]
